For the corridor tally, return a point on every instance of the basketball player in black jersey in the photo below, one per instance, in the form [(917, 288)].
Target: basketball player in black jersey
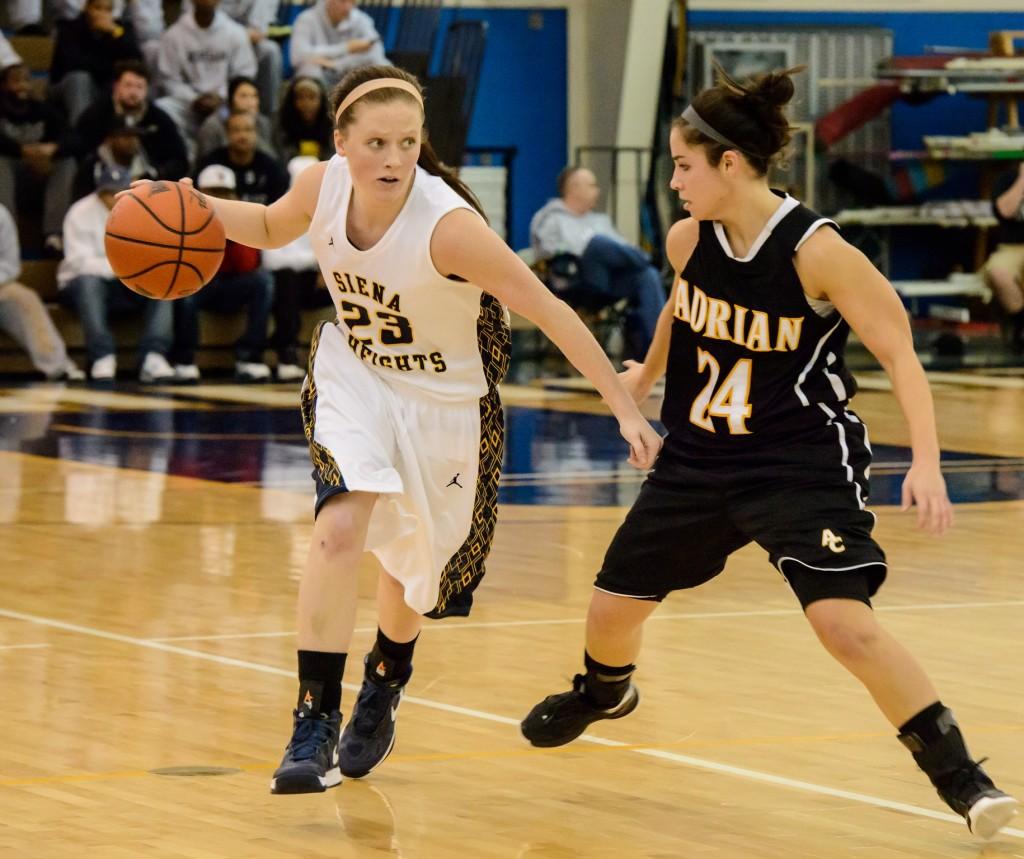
[(761, 446)]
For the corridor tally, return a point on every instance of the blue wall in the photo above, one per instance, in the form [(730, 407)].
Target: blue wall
[(522, 99)]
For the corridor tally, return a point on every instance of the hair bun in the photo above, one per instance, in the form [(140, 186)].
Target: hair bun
[(773, 88)]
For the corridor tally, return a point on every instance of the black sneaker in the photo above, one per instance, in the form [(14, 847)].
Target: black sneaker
[(560, 719), (369, 736), (971, 794), (310, 763)]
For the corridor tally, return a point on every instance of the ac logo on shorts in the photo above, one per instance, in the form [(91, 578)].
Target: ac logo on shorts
[(833, 541)]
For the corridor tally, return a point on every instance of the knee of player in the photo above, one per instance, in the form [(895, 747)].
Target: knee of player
[(339, 537), (848, 641)]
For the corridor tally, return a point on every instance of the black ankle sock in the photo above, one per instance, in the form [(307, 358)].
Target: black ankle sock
[(605, 684), (926, 724), (934, 738), (320, 682), (390, 660)]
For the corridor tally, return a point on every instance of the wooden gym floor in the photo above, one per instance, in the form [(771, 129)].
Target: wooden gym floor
[(152, 544)]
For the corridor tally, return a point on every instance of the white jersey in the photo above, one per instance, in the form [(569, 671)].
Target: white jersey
[(415, 328)]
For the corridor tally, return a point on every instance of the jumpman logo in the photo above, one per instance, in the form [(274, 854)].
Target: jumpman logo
[(454, 481)]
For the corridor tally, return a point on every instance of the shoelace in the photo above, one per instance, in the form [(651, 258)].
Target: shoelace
[(969, 775), (309, 734), (372, 705)]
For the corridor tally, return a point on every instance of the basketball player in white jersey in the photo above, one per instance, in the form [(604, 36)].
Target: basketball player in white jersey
[(400, 404)]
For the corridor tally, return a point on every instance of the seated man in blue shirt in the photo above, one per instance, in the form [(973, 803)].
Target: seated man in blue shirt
[(608, 264)]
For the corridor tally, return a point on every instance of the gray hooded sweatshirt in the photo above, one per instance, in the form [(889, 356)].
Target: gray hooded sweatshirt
[(556, 229)]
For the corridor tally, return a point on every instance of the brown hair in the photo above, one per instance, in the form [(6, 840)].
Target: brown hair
[(428, 159), (750, 113), (135, 67)]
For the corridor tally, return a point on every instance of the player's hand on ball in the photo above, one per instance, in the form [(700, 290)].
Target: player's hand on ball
[(644, 442), (925, 488), (163, 239)]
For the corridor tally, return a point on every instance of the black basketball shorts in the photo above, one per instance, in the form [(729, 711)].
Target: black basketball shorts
[(804, 503)]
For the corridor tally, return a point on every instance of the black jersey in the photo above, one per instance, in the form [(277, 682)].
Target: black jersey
[(750, 362)]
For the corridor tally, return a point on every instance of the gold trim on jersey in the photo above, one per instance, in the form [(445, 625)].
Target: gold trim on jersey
[(467, 566), (323, 462)]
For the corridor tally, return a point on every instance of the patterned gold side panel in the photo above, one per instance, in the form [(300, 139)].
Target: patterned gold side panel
[(494, 338), (466, 568), (323, 462)]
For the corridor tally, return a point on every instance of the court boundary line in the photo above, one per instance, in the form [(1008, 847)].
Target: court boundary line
[(673, 757), (711, 615)]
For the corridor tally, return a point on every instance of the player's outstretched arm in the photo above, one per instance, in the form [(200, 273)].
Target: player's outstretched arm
[(273, 226), (465, 246), (830, 268)]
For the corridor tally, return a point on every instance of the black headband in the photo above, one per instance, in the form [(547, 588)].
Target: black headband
[(694, 120)]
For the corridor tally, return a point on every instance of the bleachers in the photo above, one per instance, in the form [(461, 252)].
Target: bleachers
[(217, 332)]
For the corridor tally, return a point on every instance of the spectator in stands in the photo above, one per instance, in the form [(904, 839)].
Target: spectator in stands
[(120, 150), (147, 17), (160, 141), (304, 125), (199, 54), (26, 17), (84, 54), (33, 163), (258, 177), (257, 16), (608, 264), (332, 38), (1004, 270), (23, 315), (298, 286), (241, 280), (87, 284), (243, 97)]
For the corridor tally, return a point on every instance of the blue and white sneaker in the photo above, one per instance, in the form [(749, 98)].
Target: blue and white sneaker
[(369, 736), (310, 763)]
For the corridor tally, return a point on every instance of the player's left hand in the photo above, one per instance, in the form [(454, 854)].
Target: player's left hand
[(925, 487), (644, 442)]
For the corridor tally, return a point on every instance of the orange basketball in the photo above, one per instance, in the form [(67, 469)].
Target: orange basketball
[(164, 240)]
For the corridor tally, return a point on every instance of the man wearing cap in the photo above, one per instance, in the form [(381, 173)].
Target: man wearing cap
[(120, 150), (128, 99), (241, 280), (87, 283)]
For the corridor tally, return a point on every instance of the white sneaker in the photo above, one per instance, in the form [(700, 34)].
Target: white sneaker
[(290, 373), (185, 373), (155, 369), (251, 371), (104, 369)]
